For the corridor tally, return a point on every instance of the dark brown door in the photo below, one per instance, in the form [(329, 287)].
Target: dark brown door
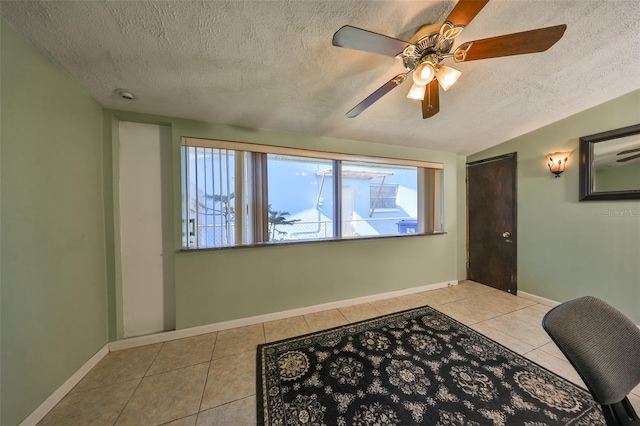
[(491, 215)]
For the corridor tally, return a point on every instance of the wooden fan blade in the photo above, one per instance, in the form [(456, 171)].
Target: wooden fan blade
[(431, 101), (628, 151), (372, 98), (367, 41), (515, 44), (624, 160), (465, 11)]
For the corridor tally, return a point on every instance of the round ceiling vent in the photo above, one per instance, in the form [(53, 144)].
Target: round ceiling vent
[(124, 94)]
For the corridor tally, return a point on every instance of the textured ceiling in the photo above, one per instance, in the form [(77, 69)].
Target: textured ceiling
[(270, 64)]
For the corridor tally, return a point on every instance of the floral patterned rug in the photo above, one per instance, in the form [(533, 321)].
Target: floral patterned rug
[(413, 367)]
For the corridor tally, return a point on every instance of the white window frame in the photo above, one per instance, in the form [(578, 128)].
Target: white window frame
[(253, 197)]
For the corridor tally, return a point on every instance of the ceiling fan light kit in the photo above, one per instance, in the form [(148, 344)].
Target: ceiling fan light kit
[(447, 76), (424, 73), (424, 53), (417, 92)]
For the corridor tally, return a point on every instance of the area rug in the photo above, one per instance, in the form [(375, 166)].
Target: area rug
[(413, 367)]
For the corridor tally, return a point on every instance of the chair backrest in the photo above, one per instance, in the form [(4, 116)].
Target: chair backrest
[(601, 343)]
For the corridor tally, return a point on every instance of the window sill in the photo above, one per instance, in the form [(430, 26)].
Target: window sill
[(298, 242)]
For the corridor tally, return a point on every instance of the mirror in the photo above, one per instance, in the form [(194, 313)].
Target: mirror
[(610, 165)]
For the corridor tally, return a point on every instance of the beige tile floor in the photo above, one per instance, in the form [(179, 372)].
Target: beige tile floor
[(210, 379)]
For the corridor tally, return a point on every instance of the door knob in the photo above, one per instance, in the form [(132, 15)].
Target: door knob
[(506, 234)]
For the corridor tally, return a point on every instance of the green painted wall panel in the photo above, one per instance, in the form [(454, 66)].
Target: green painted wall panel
[(567, 248), (53, 307), (223, 285)]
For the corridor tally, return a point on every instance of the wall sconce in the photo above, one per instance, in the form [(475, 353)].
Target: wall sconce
[(558, 162)]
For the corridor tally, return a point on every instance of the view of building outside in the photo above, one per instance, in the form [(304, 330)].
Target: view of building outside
[(297, 192), (379, 200), (376, 199), (211, 183)]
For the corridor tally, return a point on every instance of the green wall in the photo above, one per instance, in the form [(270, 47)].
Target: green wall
[(53, 306), (566, 248), (221, 285)]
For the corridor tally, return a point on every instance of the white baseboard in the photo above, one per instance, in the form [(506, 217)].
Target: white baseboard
[(541, 300), (242, 322), (44, 408)]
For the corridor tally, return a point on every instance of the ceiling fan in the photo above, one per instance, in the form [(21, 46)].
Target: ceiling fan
[(629, 158), (424, 54)]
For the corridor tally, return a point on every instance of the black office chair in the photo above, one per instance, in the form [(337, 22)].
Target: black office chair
[(603, 346)]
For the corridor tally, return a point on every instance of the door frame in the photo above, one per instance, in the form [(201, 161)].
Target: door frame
[(118, 322), (514, 206)]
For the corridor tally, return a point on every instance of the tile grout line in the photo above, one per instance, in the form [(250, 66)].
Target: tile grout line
[(230, 402), (343, 316), (171, 421), (234, 400), (176, 369), (509, 335), (138, 385), (154, 360), (304, 317), (204, 387), (377, 310), (206, 380)]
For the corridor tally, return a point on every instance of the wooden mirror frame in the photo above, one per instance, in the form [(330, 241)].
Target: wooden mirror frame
[(587, 192)]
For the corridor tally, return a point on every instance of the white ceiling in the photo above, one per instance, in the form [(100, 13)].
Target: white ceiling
[(270, 63)]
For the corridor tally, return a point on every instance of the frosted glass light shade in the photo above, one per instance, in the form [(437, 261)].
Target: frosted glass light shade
[(558, 162), (416, 92), (423, 74), (447, 76)]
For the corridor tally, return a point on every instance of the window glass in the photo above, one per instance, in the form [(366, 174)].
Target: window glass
[(211, 197), (383, 196), (300, 194), (379, 199)]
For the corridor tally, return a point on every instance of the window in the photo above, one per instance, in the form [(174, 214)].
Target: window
[(300, 205), (382, 196), (211, 203), (376, 198), (245, 194)]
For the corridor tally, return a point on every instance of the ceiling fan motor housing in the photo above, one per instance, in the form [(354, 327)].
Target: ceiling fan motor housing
[(427, 44)]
